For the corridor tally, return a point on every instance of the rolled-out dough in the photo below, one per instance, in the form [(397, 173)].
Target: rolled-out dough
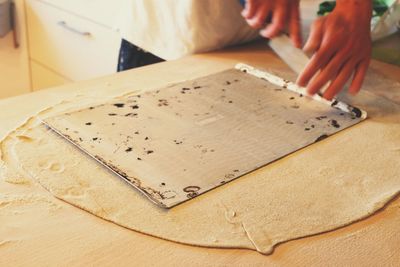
[(323, 187)]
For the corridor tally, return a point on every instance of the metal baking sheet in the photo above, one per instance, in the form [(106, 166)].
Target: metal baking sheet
[(177, 142)]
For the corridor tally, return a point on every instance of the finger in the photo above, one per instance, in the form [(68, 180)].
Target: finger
[(316, 33), (330, 71), (260, 17), (339, 82), (318, 61), (321, 58), (295, 25), (359, 76), (277, 24), (249, 9), (321, 78)]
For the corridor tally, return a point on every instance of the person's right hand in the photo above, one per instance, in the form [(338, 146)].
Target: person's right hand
[(273, 17), (341, 42)]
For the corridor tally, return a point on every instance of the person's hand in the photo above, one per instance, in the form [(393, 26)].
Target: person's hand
[(341, 43), (273, 17)]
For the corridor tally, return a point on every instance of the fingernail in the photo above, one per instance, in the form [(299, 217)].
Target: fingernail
[(266, 34), (306, 48), (299, 83), (253, 22), (262, 33), (310, 91)]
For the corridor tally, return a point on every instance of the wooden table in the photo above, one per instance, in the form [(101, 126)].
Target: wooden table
[(36, 233)]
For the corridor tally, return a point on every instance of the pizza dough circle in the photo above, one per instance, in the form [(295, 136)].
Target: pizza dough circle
[(356, 174)]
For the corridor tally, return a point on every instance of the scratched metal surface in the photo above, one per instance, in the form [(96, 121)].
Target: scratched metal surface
[(181, 141)]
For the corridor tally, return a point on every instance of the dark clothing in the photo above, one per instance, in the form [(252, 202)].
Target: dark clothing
[(131, 56)]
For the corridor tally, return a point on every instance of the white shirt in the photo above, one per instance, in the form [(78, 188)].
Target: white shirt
[(171, 29)]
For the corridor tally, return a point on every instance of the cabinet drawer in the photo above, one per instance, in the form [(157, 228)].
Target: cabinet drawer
[(43, 78), (100, 11), (74, 47)]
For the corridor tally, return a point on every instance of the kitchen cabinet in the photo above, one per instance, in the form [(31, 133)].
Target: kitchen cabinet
[(71, 46), (61, 41)]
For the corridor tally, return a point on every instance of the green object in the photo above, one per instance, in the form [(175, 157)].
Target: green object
[(326, 8), (379, 7)]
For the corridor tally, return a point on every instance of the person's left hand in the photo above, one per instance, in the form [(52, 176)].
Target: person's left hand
[(273, 17)]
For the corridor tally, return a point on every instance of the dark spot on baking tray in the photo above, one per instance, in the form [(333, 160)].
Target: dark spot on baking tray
[(356, 111), (334, 123), (88, 123), (135, 107), (334, 103), (162, 102), (185, 89), (322, 137), (119, 105), (321, 117), (129, 149)]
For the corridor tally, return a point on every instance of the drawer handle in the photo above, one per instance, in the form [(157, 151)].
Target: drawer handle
[(71, 29)]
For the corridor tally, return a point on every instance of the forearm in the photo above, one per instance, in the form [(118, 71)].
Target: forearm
[(356, 3), (362, 9)]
